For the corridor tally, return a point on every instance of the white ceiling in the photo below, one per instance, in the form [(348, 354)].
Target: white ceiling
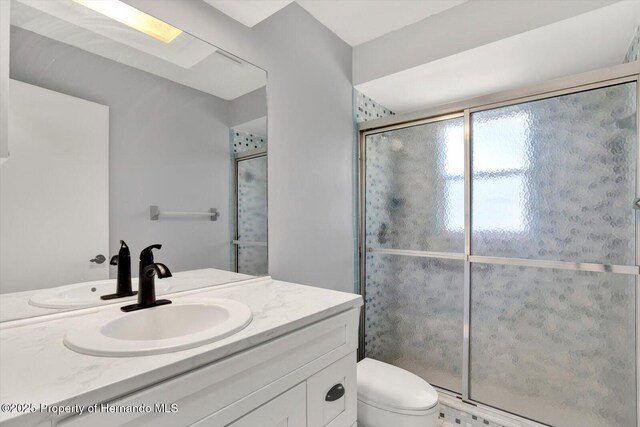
[(595, 39), (358, 21), (354, 21)]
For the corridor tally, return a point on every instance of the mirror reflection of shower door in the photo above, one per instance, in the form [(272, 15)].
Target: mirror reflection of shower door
[(529, 302), (250, 241)]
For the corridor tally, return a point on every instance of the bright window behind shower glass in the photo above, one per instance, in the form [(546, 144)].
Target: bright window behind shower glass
[(500, 175)]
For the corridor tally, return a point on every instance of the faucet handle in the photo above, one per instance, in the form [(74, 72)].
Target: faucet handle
[(146, 255)]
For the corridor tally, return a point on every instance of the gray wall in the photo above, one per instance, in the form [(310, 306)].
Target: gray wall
[(250, 106), (169, 146), (310, 133)]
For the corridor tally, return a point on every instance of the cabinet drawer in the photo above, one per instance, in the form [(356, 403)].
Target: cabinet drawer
[(286, 410), (333, 411)]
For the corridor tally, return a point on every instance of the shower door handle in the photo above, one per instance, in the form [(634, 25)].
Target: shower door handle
[(99, 259)]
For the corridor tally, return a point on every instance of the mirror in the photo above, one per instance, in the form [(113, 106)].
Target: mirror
[(123, 127)]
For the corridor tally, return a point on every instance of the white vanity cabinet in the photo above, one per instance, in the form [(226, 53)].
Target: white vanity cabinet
[(282, 382)]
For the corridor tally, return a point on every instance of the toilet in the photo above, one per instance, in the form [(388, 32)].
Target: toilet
[(389, 396)]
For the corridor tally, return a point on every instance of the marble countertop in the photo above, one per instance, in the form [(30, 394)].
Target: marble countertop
[(15, 305), (36, 368)]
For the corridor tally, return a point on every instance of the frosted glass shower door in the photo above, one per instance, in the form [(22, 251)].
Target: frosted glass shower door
[(553, 250), (414, 225), (528, 303), (251, 220)]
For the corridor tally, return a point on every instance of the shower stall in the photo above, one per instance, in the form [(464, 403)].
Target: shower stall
[(499, 248)]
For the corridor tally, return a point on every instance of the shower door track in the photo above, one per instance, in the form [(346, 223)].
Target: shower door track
[(619, 74)]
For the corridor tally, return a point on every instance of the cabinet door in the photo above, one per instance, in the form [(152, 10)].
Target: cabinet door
[(339, 411), (287, 410)]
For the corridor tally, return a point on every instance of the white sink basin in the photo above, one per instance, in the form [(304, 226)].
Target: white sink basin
[(86, 294), (162, 329)]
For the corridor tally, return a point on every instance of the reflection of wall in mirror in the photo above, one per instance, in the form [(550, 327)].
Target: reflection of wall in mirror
[(54, 203), (168, 147)]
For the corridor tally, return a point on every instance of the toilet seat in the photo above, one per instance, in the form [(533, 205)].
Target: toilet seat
[(393, 389)]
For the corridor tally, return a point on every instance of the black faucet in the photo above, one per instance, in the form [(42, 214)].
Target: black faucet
[(146, 281), (123, 261), (146, 258)]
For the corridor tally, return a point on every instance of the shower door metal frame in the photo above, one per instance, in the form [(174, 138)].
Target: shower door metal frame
[(619, 74), (237, 158)]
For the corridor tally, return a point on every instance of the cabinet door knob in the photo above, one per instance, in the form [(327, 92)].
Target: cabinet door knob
[(335, 393)]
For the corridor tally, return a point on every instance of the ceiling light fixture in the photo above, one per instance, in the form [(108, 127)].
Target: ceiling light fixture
[(133, 18)]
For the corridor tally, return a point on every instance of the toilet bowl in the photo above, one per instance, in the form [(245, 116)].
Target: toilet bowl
[(389, 396)]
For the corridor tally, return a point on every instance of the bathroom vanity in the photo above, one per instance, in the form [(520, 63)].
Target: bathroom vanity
[(294, 364)]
